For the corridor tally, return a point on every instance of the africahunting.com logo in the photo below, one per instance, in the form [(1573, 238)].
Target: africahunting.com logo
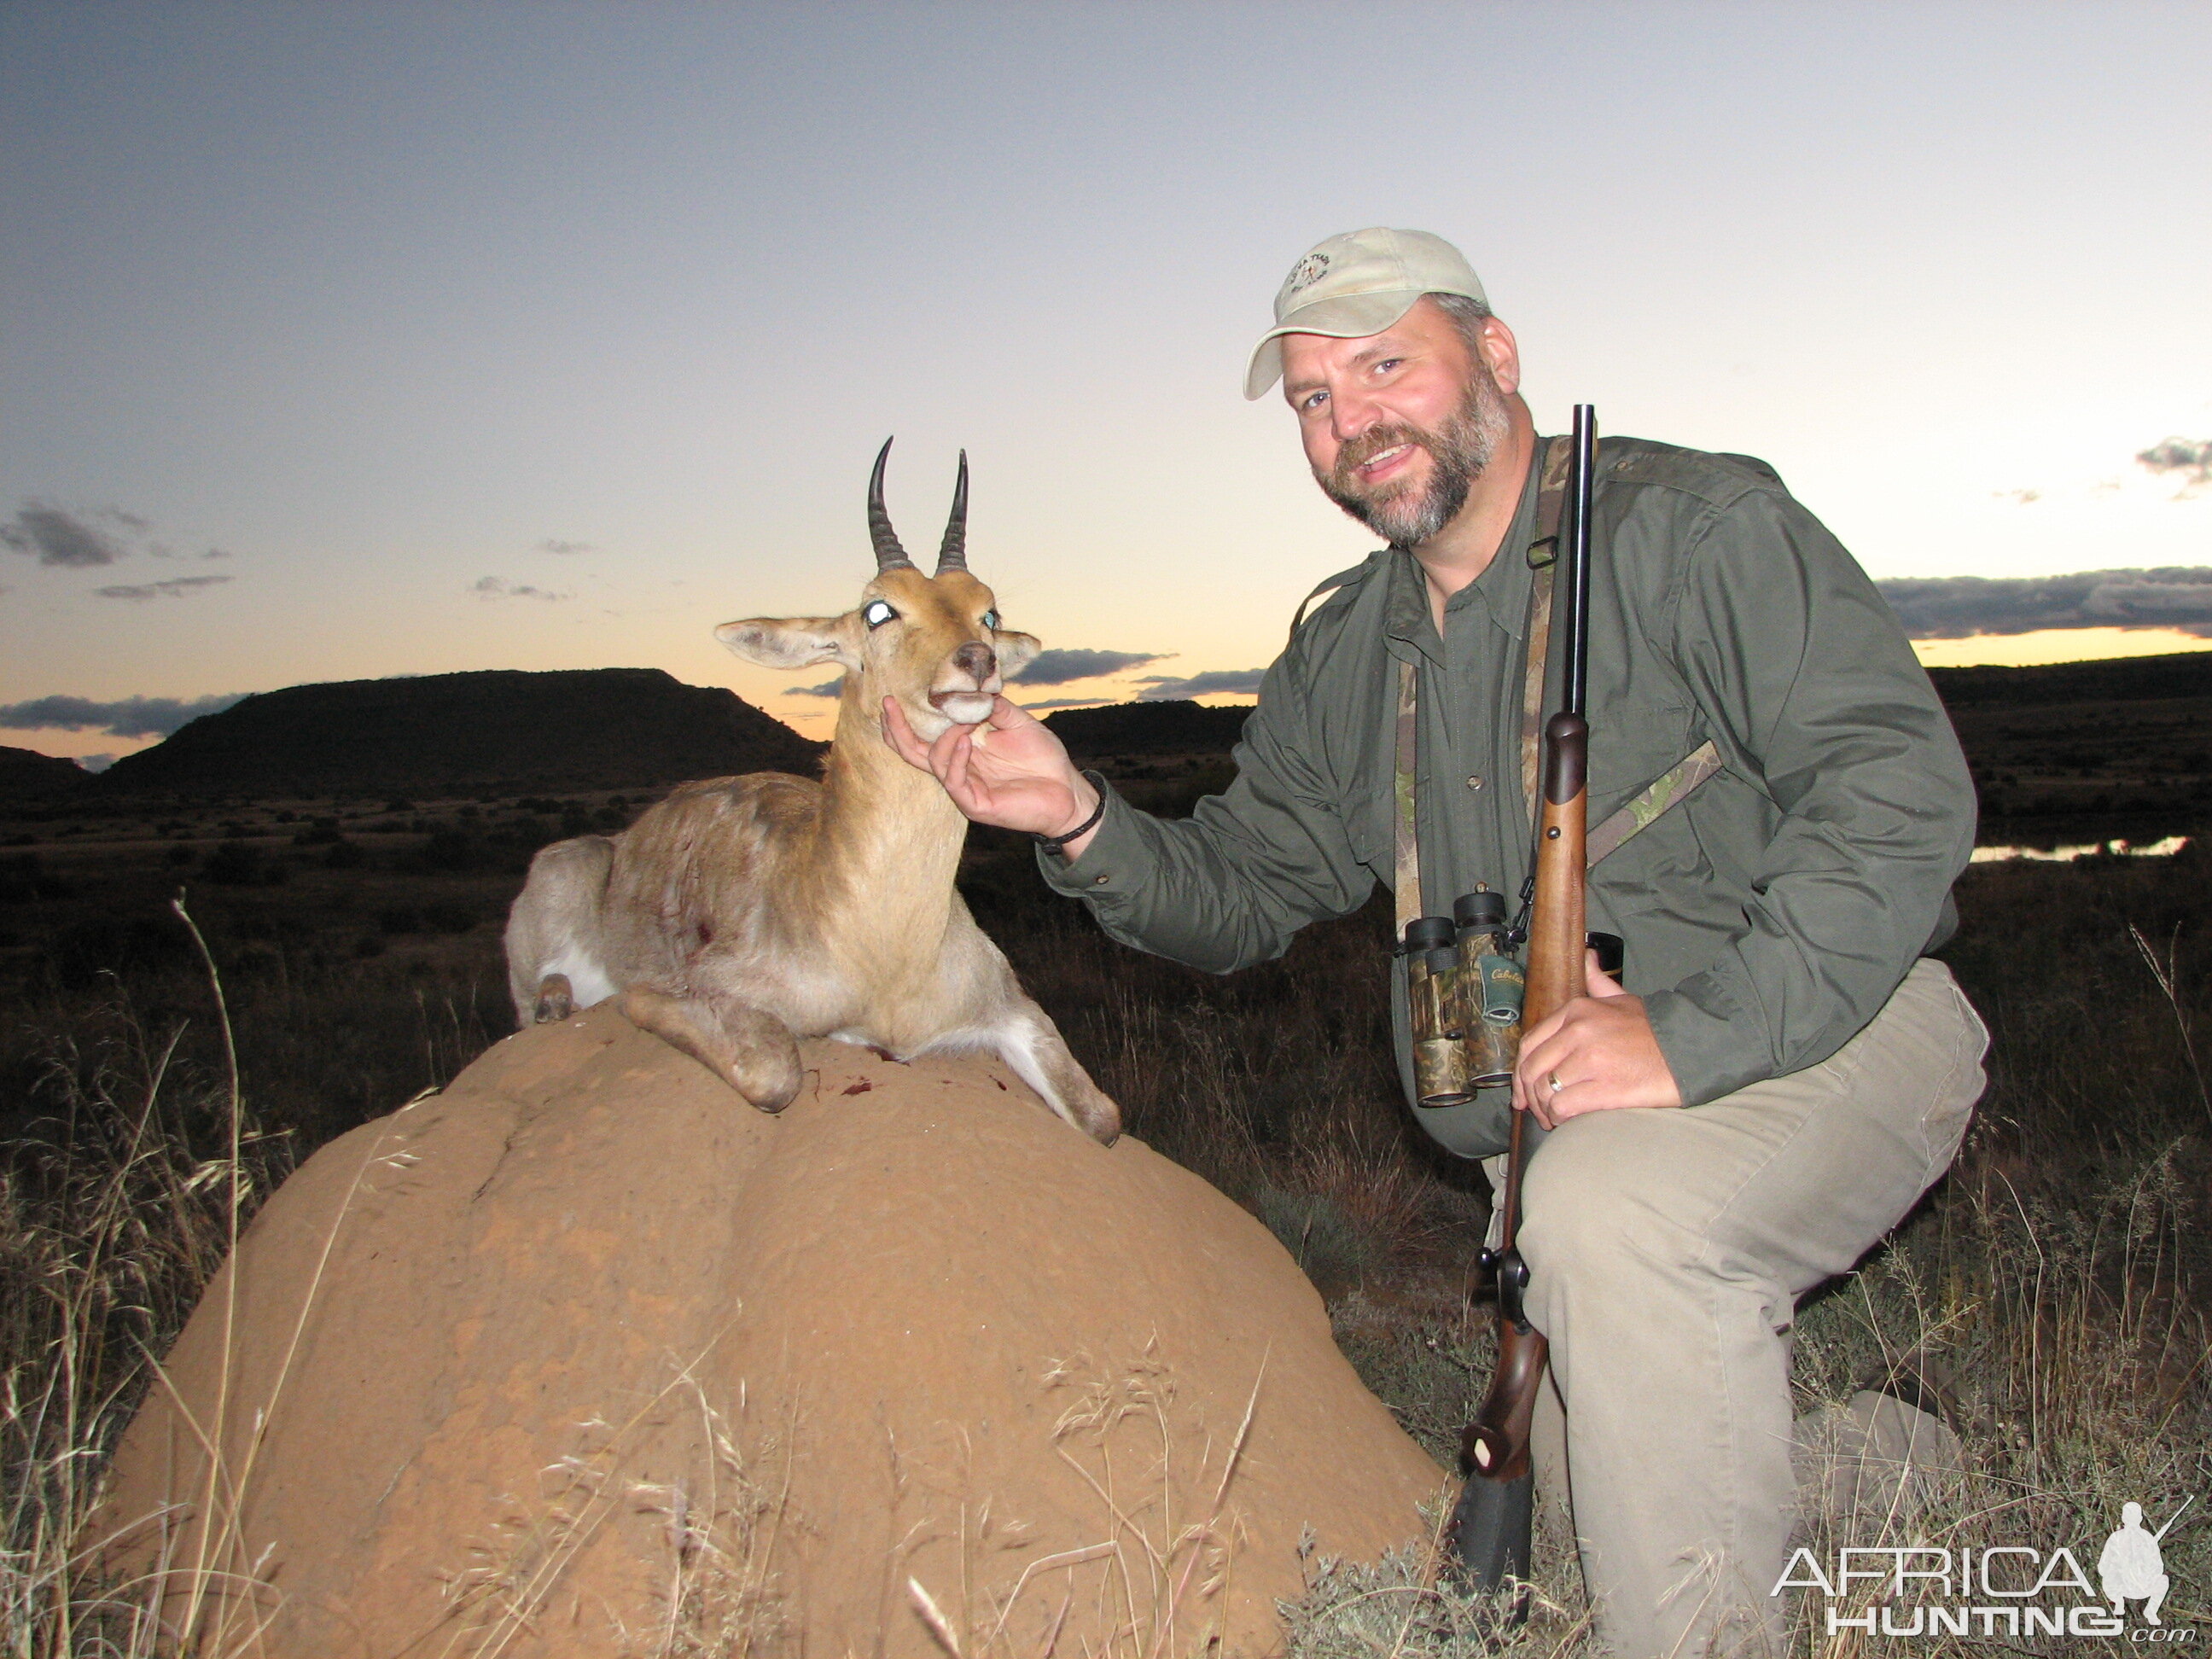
[(2006, 1590)]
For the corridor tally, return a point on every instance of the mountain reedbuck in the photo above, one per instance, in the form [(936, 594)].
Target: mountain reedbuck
[(742, 913)]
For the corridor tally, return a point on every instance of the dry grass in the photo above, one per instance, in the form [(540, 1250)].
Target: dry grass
[(719, 1597), (114, 1213), (1155, 1582), (2062, 1273)]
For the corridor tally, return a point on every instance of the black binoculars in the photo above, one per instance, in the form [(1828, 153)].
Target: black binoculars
[(1463, 991)]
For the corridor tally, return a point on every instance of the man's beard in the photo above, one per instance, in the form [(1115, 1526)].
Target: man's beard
[(1458, 450)]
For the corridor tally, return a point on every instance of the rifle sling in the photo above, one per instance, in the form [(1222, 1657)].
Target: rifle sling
[(1668, 790)]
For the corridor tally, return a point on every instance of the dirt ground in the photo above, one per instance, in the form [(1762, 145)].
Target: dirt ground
[(585, 1348)]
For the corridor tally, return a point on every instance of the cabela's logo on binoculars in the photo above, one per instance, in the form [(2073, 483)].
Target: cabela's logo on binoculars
[(1463, 992)]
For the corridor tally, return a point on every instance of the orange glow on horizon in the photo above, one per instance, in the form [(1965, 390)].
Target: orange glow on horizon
[(2055, 645), (817, 720)]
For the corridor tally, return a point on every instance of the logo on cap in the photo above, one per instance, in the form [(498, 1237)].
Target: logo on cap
[(1311, 270)]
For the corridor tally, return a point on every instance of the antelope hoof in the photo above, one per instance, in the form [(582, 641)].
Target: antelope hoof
[(766, 1072), (556, 999), (759, 1058), (1101, 1119)]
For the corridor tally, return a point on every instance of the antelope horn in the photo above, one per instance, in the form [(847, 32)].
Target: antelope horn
[(889, 555), (953, 555)]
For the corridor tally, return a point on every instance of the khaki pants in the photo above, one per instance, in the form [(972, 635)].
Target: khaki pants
[(1667, 1250)]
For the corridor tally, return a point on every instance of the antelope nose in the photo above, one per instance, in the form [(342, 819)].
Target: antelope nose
[(976, 659)]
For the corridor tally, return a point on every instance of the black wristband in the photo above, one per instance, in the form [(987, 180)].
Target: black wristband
[(1059, 843)]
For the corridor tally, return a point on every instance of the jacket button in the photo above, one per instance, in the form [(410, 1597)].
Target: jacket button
[(1474, 782), (1097, 881)]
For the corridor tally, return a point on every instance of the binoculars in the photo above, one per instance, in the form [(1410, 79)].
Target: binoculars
[(1463, 991)]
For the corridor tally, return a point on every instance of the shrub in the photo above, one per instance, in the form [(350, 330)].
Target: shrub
[(243, 864), (345, 855)]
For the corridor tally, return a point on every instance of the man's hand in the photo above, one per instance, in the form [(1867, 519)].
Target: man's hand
[(1009, 770), (1601, 1050)]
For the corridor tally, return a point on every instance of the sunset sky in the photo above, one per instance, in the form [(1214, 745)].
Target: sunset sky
[(342, 340)]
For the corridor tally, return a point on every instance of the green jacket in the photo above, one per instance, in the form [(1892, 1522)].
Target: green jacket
[(1768, 915)]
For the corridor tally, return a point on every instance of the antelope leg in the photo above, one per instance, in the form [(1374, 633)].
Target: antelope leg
[(747, 1048), (1029, 1041)]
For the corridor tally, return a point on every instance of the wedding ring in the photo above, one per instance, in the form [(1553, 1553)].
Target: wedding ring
[(1553, 1079)]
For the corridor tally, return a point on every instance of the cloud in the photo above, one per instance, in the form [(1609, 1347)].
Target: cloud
[(495, 587), (1060, 666), (60, 538), (556, 544), (175, 587), (827, 689), (2192, 459), (126, 717), (1958, 607), (1065, 703), (1218, 682)]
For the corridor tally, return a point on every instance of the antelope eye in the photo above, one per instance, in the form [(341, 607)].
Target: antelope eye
[(991, 619), (877, 612)]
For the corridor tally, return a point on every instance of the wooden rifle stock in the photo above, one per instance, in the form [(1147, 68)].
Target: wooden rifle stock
[(1496, 1443), (1490, 1528)]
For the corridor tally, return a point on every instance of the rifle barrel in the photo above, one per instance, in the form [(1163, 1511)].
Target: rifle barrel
[(1490, 1525), (1581, 482)]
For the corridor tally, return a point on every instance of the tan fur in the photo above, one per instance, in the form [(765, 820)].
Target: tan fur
[(741, 912)]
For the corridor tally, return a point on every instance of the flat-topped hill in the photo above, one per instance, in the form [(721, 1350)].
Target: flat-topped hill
[(2116, 679), (1166, 727), (26, 772), (504, 730)]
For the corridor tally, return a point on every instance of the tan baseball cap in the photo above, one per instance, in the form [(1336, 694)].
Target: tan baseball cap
[(1357, 285)]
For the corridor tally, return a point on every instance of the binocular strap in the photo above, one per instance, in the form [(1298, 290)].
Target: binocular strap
[(1543, 558), (1667, 791)]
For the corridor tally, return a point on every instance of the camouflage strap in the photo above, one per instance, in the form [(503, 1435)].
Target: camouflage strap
[(1403, 775), (1550, 502), (1543, 559), (1656, 799), (1532, 687), (1669, 789), (1543, 554)]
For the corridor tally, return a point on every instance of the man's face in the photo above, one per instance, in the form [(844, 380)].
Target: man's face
[(1398, 426)]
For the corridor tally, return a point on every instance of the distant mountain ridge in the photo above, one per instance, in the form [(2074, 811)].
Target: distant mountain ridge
[(491, 731), (640, 729), (1168, 726), (2111, 679), (26, 772)]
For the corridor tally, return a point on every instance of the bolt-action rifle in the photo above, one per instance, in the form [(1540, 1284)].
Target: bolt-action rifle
[(1491, 1526)]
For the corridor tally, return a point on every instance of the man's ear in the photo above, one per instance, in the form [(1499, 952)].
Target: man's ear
[(793, 641), (1016, 652), (1501, 353)]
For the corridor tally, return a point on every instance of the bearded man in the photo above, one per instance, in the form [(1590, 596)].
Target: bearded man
[(1783, 1070)]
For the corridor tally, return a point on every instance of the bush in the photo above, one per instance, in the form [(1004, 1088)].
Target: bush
[(243, 864), (79, 956), (448, 852), (23, 878)]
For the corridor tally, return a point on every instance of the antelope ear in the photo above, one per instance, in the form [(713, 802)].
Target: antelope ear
[(1016, 652), (793, 641)]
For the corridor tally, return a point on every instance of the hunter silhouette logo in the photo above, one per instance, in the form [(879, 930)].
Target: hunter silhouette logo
[(2008, 1591), (2131, 1569)]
